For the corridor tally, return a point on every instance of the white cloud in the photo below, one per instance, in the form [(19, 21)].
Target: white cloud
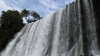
[(4, 6), (24, 20), (49, 6), (45, 2), (43, 7)]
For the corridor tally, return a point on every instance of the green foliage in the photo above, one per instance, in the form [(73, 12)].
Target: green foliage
[(25, 13), (10, 19), (35, 15), (11, 23), (0, 21)]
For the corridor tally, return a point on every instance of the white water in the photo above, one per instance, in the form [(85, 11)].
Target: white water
[(91, 27), (57, 34)]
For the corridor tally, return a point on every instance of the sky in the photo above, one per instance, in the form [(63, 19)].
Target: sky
[(42, 7)]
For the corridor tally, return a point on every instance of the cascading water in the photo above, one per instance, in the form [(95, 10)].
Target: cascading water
[(90, 28), (62, 33)]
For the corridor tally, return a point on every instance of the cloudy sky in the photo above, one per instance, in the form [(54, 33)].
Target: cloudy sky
[(43, 7)]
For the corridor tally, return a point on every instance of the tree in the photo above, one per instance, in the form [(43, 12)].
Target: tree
[(10, 18), (35, 15), (0, 21), (11, 23), (25, 13)]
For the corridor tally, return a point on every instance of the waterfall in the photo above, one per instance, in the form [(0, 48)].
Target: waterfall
[(71, 31), (90, 28)]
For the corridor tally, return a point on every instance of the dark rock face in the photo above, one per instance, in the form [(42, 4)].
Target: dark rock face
[(96, 6), (94, 15)]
